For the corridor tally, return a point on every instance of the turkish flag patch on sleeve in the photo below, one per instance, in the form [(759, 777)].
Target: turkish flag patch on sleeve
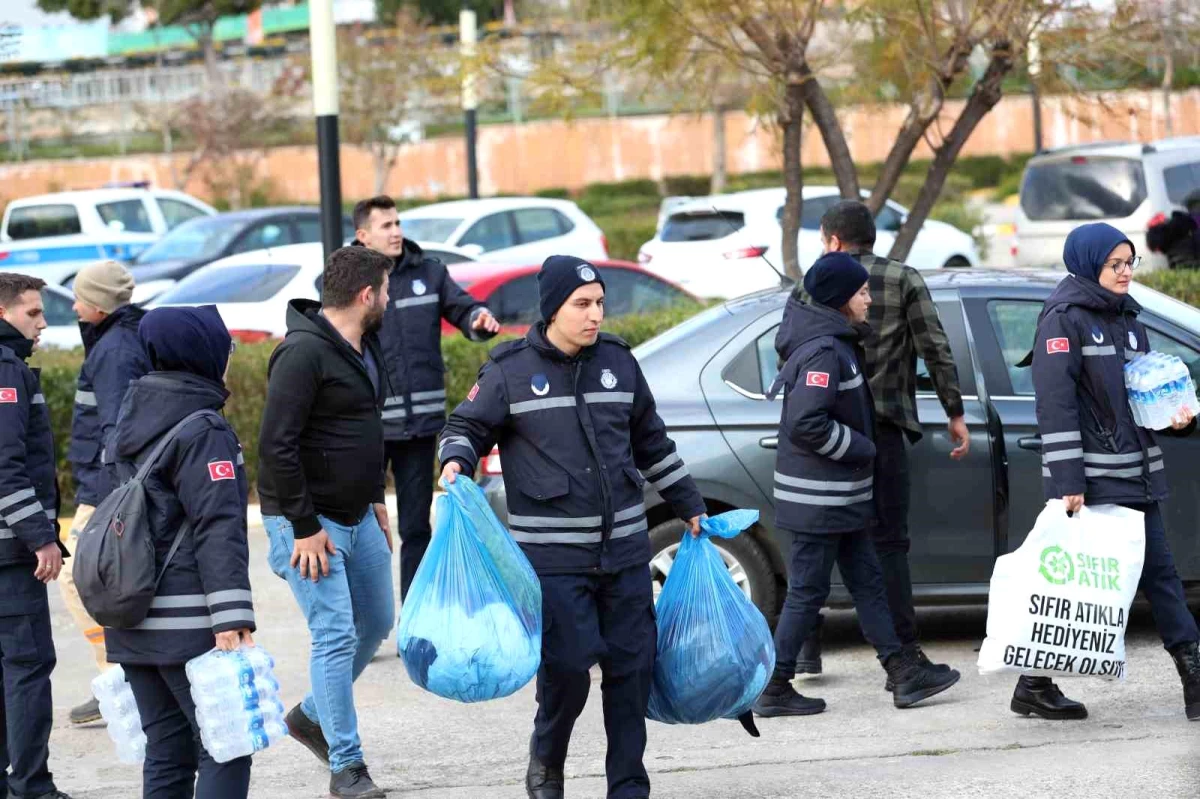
[(1054, 345), (818, 379), (473, 393), (220, 470), (8, 395)]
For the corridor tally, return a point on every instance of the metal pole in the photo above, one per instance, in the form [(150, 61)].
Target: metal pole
[(468, 38), (1035, 68), (325, 107)]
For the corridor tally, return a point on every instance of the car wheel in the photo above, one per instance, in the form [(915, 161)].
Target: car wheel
[(748, 564), (957, 262)]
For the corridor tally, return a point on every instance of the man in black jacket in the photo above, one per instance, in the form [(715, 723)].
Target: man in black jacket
[(420, 294), (30, 552), (321, 488)]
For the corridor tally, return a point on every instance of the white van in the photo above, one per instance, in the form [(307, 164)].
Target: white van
[(1123, 184)]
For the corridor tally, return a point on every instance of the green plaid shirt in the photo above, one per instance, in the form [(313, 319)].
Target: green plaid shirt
[(904, 324)]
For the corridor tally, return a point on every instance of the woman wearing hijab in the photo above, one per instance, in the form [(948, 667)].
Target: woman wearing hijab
[(1093, 450), (203, 599)]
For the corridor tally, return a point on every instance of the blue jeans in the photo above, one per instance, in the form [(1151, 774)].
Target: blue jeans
[(349, 615)]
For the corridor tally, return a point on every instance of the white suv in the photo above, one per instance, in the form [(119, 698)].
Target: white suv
[(1123, 184), (730, 244), (515, 230), (53, 236)]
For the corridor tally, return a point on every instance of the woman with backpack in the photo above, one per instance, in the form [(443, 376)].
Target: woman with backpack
[(203, 596)]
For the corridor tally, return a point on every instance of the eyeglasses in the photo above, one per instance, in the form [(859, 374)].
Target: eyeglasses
[(1116, 264)]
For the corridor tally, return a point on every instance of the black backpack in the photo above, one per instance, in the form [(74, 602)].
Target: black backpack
[(114, 567)]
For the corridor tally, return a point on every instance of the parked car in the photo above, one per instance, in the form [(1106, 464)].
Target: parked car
[(515, 230), (251, 290), (202, 241), (62, 325), (511, 292), (1122, 183), (53, 236), (731, 244), (710, 375)]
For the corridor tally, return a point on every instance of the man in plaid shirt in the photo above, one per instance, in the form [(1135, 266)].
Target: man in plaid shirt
[(904, 324)]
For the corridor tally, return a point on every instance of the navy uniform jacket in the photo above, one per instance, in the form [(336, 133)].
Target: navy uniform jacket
[(1090, 442), (114, 359), (28, 488), (824, 467), (579, 438), (200, 479), (420, 294)]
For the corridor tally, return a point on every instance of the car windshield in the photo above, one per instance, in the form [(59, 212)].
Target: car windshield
[(432, 229), (702, 225), (241, 283), (198, 239), (1083, 187)]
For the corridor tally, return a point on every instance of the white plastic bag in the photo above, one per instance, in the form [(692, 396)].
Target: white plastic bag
[(1058, 606)]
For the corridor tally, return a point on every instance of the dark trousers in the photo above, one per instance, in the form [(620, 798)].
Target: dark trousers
[(412, 470), (606, 619), (174, 754), (812, 560), (26, 660), (1161, 586), (891, 531)]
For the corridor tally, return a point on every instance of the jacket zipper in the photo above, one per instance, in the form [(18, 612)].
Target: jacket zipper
[(602, 468)]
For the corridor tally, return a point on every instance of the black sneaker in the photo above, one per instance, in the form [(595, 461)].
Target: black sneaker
[(354, 782), (1041, 697), (780, 699), (915, 683), (307, 732), (542, 781), (86, 713), (923, 661)]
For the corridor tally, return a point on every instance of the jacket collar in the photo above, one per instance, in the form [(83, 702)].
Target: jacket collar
[(12, 338)]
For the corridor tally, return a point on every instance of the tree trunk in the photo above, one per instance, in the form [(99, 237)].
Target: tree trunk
[(1167, 82), (793, 179), (825, 118), (719, 175), (984, 96)]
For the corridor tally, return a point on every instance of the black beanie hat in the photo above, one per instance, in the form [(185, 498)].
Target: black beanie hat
[(834, 279), (561, 275)]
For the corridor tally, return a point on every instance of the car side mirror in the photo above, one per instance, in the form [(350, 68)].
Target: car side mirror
[(473, 250)]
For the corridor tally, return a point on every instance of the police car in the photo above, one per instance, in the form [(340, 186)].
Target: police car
[(53, 236)]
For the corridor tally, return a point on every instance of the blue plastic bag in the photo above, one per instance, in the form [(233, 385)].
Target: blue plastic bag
[(715, 650), (471, 626)]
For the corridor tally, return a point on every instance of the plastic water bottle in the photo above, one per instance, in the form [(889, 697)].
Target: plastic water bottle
[(1159, 387), (238, 709), (120, 712)]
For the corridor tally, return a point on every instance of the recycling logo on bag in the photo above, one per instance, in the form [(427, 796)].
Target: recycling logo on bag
[(1056, 566)]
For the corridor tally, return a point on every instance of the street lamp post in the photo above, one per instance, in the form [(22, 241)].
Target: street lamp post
[(323, 39), (468, 36)]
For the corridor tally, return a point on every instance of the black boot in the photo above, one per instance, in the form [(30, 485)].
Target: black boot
[(779, 698), (809, 659), (308, 733), (542, 781), (354, 782), (912, 682), (86, 713), (923, 661), (1041, 697), (1187, 662)]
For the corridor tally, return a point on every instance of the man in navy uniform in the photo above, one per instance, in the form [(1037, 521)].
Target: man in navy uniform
[(420, 294), (30, 553), (580, 435)]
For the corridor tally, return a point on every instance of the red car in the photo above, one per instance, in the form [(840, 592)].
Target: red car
[(511, 292)]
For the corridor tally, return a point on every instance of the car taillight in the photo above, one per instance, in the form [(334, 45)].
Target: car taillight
[(604, 244), (490, 466), (644, 257), (249, 336), (1157, 219), (745, 252), (1078, 159)]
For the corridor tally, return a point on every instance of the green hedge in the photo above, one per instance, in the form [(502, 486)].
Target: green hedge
[(1181, 284), (247, 383)]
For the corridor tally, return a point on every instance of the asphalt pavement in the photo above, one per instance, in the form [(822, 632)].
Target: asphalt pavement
[(964, 743)]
